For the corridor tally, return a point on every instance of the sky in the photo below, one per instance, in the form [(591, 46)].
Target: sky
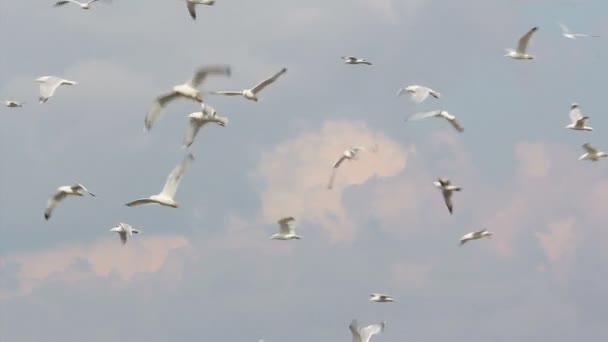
[(207, 269)]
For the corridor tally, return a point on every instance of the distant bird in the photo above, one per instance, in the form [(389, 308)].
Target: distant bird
[(49, 84), (287, 231), (199, 119), (475, 235), (579, 122), (364, 334), (447, 189), (592, 153), (187, 90), (167, 195), (251, 94), (13, 104), (123, 230), (567, 34), (355, 60), (348, 154), (85, 5), (381, 298), (522, 45), (61, 193), (438, 114), (191, 4), (418, 93)]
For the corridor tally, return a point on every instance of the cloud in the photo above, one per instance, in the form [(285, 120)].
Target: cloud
[(559, 244)]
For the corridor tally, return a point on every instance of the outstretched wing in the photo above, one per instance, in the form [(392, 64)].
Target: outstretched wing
[(284, 224), (227, 92), (420, 94), (191, 8), (175, 177), (575, 113), (201, 73), (423, 115), (268, 81), (525, 39), (193, 127), (456, 125), (447, 198), (565, 29), (123, 236), (590, 149), (48, 87), (355, 331), (52, 203), (63, 2), (159, 103), (139, 202), (371, 330)]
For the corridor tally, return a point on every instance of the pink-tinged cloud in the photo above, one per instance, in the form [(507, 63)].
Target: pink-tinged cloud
[(559, 244), (410, 275)]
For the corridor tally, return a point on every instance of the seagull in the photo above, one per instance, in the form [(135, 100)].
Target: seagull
[(355, 60), (123, 229), (188, 90), (199, 119), (522, 45), (49, 84), (287, 231), (381, 298), (84, 6), (567, 34), (579, 121), (446, 189), (167, 195), (365, 333), (251, 94), (191, 4), (437, 113), (13, 104), (61, 193), (348, 154), (592, 153), (418, 93), (475, 235)]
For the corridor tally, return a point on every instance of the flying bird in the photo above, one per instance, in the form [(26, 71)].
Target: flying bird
[(191, 4), (355, 60), (447, 189), (522, 45), (348, 154), (167, 195), (418, 93), (381, 298), (579, 122), (567, 34), (364, 334), (475, 235), (49, 84), (438, 114), (592, 153), (13, 104), (124, 230), (83, 5), (251, 94), (61, 193), (287, 231), (199, 119), (187, 90)]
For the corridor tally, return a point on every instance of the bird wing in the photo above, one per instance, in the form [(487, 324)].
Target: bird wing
[(350, 58), (227, 92), (420, 94), (582, 121), (565, 29), (123, 236), (456, 124), (367, 332), (139, 202), (48, 87), (191, 8), (159, 103), (63, 2), (522, 44), (423, 115), (284, 225), (52, 203), (332, 177), (354, 331), (590, 149), (268, 81), (337, 163), (77, 187), (575, 114), (201, 73), (175, 176), (447, 198), (194, 126)]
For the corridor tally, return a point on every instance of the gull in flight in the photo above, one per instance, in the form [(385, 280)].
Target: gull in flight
[(592, 153), (191, 4), (61, 193), (446, 190), (364, 334), (13, 104), (167, 195), (123, 230), (522, 45), (579, 122), (418, 93), (438, 114), (199, 119), (475, 235), (355, 60), (287, 231), (251, 94), (567, 34), (83, 5), (348, 154), (49, 84), (381, 298), (187, 90)]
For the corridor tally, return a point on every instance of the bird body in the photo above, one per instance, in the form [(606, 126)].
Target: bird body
[(124, 230), (447, 189), (48, 86), (199, 119), (522, 46), (355, 60), (251, 94), (578, 121), (418, 93), (287, 231), (13, 104), (592, 153), (475, 235), (61, 193), (348, 154), (381, 298)]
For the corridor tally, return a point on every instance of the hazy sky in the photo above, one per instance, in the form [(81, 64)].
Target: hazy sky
[(207, 270)]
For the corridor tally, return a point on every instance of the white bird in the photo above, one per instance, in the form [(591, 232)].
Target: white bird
[(83, 5), (475, 235), (287, 231), (355, 60), (579, 122), (447, 189), (592, 153), (251, 94), (418, 93), (61, 193), (13, 104), (522, 45), (199, 119), (123, 230), (567, 34), (191, 4), (348, 154), (187, 90), (364, 334), (438, 114), (381, 298), (49, 84), (167, 195)]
